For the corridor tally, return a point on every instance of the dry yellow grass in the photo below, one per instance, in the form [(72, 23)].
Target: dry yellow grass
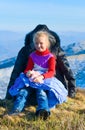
[(67, 116)]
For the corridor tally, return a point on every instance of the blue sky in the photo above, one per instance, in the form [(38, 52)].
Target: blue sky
[(58, 15)]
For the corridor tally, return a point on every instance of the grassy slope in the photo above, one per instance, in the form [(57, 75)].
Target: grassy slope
[(67, 116)]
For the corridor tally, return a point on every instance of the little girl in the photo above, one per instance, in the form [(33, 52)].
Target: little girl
[(39, 74)]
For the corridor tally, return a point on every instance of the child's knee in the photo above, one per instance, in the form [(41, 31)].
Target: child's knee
[(41, 93), (23, 92)]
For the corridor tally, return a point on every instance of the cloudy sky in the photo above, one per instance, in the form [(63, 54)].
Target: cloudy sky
[(59, 15)]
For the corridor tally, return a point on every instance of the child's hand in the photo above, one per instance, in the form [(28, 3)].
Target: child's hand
[(32, 74), (29, 73), (38, 79)]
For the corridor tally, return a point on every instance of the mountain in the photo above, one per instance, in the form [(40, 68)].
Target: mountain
[(70, 37), (4, 79), (7, 63), (76, 56), (77, 64), (10, 50), (10, 36), (75, 48), (10, 43)]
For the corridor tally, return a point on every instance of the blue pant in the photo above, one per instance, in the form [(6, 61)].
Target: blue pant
[(23, 95), (21, 99), (42, 99)]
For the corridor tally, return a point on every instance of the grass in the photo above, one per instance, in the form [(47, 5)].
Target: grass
[(67, 116)]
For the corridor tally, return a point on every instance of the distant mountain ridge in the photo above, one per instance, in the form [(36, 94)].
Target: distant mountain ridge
[(7, 63), (70, 37), (75, 48), (10, 44)]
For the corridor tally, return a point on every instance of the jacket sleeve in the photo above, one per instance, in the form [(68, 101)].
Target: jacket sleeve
[(66, 70)]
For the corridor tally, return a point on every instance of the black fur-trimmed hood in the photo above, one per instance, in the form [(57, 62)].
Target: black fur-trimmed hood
[(29, 36)]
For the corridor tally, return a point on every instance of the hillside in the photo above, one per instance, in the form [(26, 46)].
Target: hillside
[(77, 64), (75, 48), (67, 116), (4, 79)]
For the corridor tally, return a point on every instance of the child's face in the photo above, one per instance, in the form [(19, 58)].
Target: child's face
[(41, 43)]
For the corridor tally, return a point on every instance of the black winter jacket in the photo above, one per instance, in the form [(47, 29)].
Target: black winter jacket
[(63, 71)]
